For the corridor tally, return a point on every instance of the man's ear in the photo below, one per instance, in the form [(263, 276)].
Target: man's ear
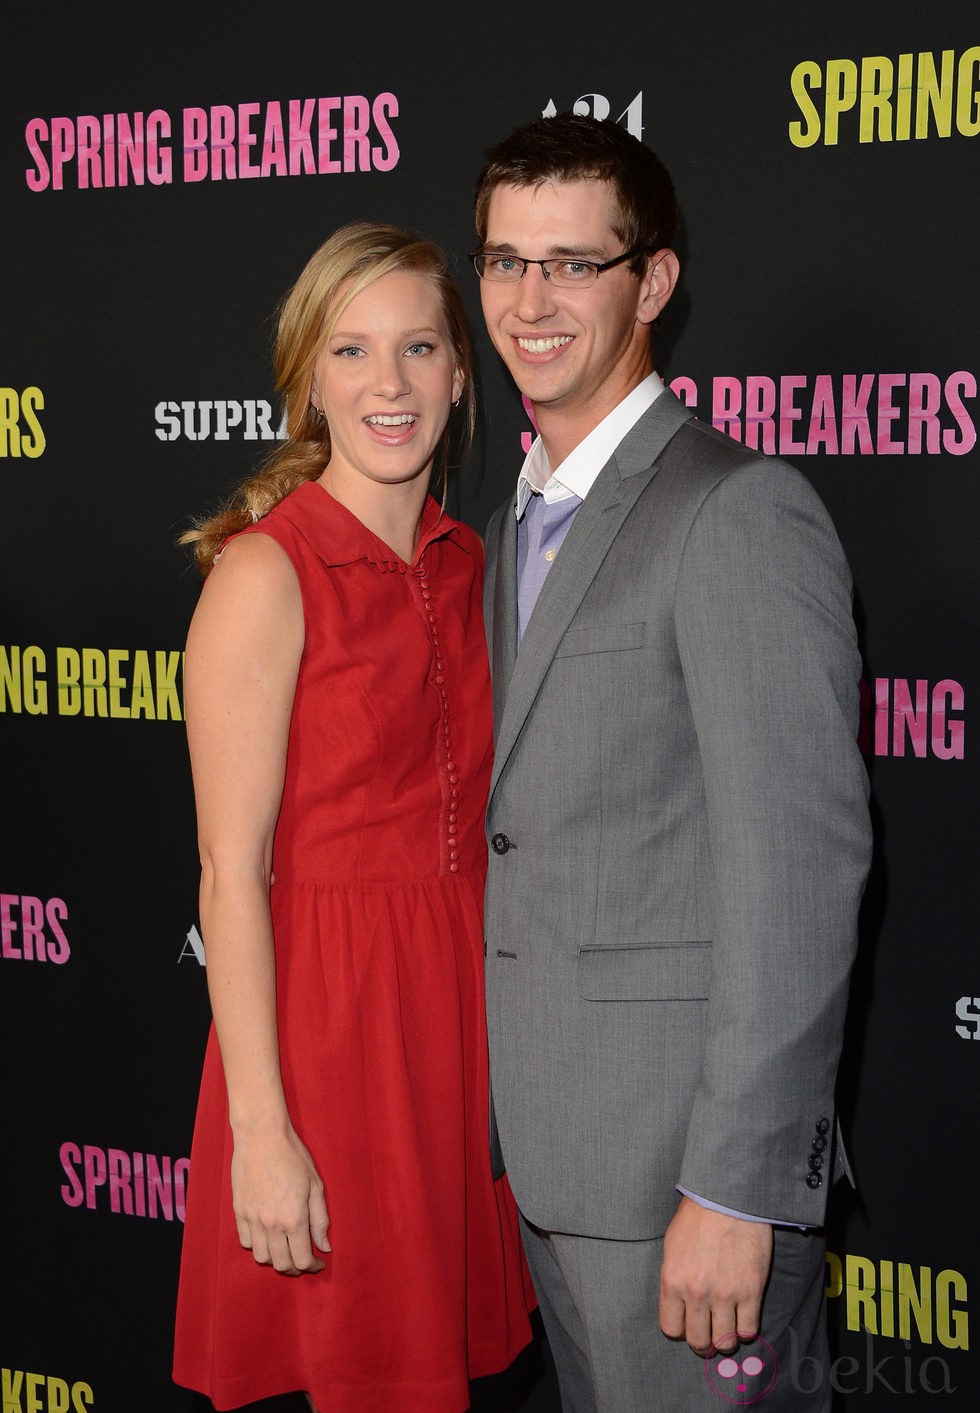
[(657, 284)]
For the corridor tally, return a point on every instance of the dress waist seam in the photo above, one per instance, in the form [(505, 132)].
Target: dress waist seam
[(379, 885)]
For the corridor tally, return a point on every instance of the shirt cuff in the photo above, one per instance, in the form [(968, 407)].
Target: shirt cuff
[(731, 1212)]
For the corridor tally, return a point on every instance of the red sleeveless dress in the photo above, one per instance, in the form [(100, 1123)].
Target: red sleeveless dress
[(379, 863)]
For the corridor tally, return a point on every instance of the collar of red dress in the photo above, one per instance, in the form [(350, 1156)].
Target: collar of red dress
[(340, 538)]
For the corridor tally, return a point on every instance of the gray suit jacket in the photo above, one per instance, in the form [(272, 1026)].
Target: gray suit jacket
[(679, 839)]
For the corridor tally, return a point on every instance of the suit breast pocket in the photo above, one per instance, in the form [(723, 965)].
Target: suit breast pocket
[(677, 971), (601, 638)]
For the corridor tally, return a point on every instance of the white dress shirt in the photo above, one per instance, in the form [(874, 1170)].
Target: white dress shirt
[(577, 473)]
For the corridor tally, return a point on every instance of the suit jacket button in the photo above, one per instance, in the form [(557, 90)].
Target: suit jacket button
[(500, 843), (814, 1180), (823, 1126)]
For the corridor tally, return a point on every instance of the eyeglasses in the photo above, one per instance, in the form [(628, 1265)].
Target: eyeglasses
[(562, 270)]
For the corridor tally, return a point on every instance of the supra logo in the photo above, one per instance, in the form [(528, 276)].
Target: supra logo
[(221, 420), (193, 947), (598, 106), (968, 1011)]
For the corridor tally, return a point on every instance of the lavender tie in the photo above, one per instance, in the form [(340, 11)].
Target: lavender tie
[(540, 533)]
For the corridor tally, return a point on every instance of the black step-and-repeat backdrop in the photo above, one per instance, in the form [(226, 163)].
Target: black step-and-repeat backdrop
[(164, 173)]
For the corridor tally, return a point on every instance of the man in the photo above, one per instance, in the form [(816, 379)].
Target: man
[(677, 818)]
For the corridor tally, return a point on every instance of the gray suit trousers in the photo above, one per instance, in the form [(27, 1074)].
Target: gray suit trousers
[(599, 1304)]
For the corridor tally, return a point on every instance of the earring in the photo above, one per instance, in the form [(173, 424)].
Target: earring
[(456, 403)]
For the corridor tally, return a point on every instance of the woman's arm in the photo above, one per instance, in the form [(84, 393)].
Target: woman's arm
[(243, 654)]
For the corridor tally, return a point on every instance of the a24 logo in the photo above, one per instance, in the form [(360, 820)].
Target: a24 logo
[(597, 105)]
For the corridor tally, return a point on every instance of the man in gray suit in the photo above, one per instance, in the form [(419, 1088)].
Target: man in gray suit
[(677, 820)]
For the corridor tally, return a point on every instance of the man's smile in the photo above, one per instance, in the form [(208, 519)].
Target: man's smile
[(543, 345)]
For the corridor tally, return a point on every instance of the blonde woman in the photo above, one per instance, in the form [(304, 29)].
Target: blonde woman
[(344, 1234)]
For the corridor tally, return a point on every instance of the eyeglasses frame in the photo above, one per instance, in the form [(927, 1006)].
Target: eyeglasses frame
[(600, 268)]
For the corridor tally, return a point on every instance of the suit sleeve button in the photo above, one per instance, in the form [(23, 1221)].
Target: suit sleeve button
[(823, 1126), (814, 1180), (500, 843)]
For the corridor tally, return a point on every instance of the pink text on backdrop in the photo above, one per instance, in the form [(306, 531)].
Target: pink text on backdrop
[(31, 930), (867, 414), (223, 142), (136, 1184), (117, 149), (924, 717), (315, 137)]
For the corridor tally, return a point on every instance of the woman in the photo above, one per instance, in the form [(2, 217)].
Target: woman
[(338, 717)]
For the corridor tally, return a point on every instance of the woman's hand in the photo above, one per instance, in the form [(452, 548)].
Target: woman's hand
[(280, 1209)]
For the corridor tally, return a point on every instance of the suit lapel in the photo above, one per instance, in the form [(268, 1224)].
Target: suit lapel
[(503, 622), (518, 676)]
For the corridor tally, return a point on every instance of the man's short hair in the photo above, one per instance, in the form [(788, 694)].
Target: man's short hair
[(570, 147)]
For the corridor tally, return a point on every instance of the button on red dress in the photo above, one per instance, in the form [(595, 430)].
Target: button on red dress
[(379, 864)]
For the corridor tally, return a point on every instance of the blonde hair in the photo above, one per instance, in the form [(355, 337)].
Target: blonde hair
[(358, 254)]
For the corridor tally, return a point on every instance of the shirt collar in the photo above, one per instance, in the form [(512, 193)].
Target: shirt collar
[(576, 475)]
